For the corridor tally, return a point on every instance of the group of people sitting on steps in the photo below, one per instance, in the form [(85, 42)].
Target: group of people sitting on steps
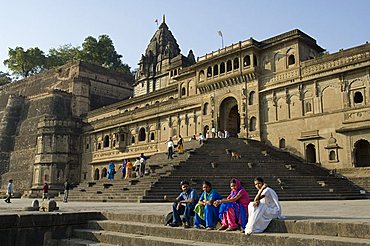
[(234, 212)]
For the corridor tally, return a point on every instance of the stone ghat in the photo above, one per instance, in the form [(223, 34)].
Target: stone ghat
[(131, 229), (94, 228)]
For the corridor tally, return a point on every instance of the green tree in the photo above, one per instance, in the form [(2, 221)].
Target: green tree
[(4, 78), (62, 55), (99, 51), (102, 52), (25, 63)]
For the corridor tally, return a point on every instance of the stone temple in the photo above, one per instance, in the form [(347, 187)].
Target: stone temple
[(284, 91)]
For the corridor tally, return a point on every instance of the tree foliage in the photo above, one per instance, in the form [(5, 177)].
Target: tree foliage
[(25, 63), (99, 51), (62, 55), (4, 78)]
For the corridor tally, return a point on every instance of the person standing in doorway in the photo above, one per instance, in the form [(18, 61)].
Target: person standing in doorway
[(9, 191), (66, 191)]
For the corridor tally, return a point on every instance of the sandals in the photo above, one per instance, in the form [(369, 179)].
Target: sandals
[(231, 229), (224, 227)]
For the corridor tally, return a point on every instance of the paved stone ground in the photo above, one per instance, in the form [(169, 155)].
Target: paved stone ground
[(349, 210)]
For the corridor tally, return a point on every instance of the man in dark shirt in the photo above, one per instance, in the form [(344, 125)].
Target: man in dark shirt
[(184, 204)]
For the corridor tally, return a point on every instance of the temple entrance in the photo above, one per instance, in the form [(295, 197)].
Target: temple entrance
[(362, 153), (311, 153), (229, 116)]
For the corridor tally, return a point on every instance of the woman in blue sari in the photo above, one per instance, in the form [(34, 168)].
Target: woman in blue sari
[(111, 170), (206, 213)]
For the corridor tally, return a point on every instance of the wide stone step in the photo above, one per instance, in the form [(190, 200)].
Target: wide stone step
[(120, 238), (148, 223), (117, 228), (80, 242)]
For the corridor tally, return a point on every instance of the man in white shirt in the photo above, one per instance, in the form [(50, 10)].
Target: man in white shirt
[(9, 191), (170, 146), (213, 131)]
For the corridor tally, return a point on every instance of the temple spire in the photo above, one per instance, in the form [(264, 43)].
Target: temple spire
[(164, 19)]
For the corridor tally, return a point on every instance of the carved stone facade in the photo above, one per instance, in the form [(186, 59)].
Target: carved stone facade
[(283, 91), (41, 122)]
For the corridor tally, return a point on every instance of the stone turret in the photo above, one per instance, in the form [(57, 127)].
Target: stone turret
[(161, 48), (161, 57)]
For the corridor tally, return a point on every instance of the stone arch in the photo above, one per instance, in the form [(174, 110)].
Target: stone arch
[(362, 153), (183, 91), (222, 68), (201, 75), (247, 61), (251, 97), (164, 131), (295, 107), (142, 134), (205, 130), (310, 153), (206, 108), (215, 70), (106, 141), (209, 72), (229, 116), (192, 89), (332, 155), (308, 102), (236, 63), (253, 124), (152, 136), (229, 66), (282, 109), (96, 174), (290, 56), (104, 172), (330, 99), (282, 143)]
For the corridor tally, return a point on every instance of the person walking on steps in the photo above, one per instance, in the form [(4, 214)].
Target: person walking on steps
[(66, 191), (9, 191)]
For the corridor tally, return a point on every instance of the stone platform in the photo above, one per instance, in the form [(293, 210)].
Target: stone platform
[(345, 222)]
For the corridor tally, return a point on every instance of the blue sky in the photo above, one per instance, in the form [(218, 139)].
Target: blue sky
[(130, 24)]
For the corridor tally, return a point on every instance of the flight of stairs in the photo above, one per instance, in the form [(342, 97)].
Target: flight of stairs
[(148, 230), (130, 190), (292, 178)]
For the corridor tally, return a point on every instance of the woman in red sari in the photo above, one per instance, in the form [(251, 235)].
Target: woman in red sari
[(234, 209)]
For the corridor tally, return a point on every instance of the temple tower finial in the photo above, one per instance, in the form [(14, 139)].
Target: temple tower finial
[(164, 19)]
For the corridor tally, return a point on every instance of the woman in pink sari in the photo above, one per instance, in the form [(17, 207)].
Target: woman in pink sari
[(234, 209)]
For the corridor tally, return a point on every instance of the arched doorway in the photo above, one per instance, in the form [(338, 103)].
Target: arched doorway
[(104, 173), (229, 116), (205, 131), (96, 174), (362, 153), (311, 153)]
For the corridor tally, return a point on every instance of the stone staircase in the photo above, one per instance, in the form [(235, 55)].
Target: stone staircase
[(148, 230), (292, 178), (131, 190), (359, 175)]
